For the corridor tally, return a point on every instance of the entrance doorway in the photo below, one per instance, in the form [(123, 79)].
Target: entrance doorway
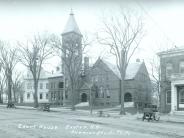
[(84, 97), (128, 97), (180, 98)]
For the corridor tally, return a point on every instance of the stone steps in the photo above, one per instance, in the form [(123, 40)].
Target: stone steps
[(180, 113)]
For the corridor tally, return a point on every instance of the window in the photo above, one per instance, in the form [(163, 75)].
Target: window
[(47, 96), (66, 94), (60, 84), (66, 83), (51, 95), (128, 97), (51, 85), (96, 78), (28, 95), (96, 94), (47, 86), (181, 97), (58, 96), (181, 67), (101, 92), (54, 96), (107, 93), (41, 85), (107, 103), (29, 86), (169, 69), (41, 96), (168, 97)]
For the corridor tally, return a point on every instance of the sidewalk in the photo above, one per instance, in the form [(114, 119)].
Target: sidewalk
[(54, 109)]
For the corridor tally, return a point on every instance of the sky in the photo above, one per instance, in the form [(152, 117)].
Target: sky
[(163, 22)]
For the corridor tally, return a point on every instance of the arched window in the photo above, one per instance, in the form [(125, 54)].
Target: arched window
[(83, 97), (128, 97), (108, 93), (101, 92), (181, 67), (169, 69), (28, 95), (168, 97)]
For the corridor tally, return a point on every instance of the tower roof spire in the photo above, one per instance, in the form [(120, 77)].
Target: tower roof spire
[(71, 25), (71, 12)]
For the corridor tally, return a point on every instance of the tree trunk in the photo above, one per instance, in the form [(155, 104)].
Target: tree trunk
[(73, 98), (1, 98), (122, 110), (35, 94), (14, 96), (123, 73), (91, 102), (9, 90)]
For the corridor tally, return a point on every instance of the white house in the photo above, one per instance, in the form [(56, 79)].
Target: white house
[(43, 88)]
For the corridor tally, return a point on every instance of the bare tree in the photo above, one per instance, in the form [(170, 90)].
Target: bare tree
[(2, 85), (71, 55), (122, 35), (33, 55), (17, 87), (8, 59)]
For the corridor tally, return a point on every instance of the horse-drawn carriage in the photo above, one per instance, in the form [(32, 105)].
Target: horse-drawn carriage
[(151, 113)]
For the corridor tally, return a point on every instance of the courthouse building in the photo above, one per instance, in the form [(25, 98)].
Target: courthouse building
[(103, 75), (106, 78)]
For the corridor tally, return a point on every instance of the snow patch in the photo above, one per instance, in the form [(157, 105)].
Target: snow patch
[(82, 104)]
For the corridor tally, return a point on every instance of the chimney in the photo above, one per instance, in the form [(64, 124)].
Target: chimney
[(57, 69), (86, 63), (138, 60)]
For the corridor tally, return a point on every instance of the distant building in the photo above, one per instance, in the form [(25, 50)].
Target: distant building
[(43, 88), (56, 86), (172, 80)]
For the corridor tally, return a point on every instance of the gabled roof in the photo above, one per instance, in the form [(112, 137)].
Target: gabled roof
[(131, 71), (43, 74), (71, 25), (173, 51), (55, 75)]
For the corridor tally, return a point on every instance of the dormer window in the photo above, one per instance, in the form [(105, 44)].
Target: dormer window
[(181, 67), (169, 69)]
